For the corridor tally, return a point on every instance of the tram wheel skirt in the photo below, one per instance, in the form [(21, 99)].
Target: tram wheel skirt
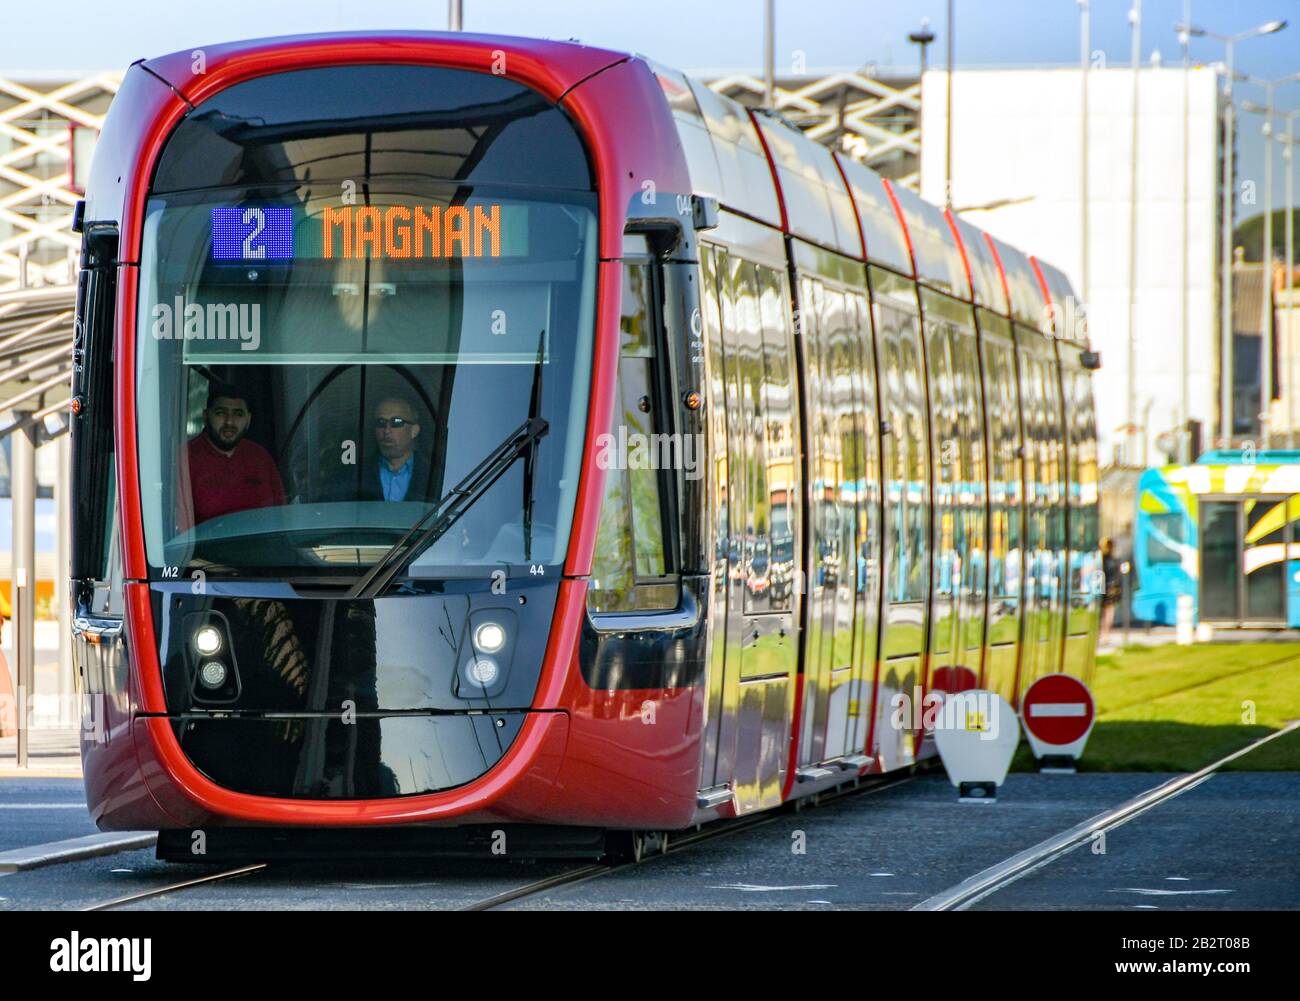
[(502, 842)]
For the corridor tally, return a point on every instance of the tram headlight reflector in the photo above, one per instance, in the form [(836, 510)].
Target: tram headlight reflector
[(213, 674), (483, 671), (489, 637), (207, 640)]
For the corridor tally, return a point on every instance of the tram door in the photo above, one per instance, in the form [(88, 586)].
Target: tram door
[(1044, 539), (1243, 560), (905, 577), (757, 512), (843, 493), (957, 443)]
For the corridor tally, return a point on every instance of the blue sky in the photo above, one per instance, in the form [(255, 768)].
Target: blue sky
[(689, 34)]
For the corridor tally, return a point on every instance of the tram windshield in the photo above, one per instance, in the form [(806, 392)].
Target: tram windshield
[(320, 361)]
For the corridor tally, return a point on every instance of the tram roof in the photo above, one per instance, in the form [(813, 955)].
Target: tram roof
[(828, 199), (836, 202), (1023, 291)]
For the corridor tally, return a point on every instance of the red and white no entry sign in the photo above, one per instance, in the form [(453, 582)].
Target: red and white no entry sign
[(1058, 713)]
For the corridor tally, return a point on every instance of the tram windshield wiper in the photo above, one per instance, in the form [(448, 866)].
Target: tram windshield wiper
[(530, 461), (435, 523)]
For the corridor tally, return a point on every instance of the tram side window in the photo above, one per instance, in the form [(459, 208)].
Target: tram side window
[(906, 475), (755, 526), (630, 571), (1057, 483), (970, 409), (1004, 566), (711, 262), (1083, 519), (1166, 533), (918, 514), (997, 473), (778, 421), (864, 474)]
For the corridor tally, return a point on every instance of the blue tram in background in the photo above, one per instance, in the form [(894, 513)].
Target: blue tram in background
[(1222, 531)]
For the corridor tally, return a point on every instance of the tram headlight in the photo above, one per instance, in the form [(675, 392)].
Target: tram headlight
[(489, 637), (482, 671), (213, 674), (207, 640)]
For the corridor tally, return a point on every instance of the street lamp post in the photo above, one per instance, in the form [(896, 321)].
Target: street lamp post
[(1225, 250), (922, 38), (1288, 165), (1184, 382), (1085, 60), (1135, 20), (1266, 301), (950, 31), (769, 54)]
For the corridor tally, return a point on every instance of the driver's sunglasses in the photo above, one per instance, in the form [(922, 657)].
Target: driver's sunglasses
[(392, 422)]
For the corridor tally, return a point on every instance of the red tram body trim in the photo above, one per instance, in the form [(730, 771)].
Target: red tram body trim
[(902, 224), (1002, 271), (561, 760), (1042, 282)]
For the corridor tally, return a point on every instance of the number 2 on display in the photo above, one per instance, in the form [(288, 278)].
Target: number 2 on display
[(258, 219)]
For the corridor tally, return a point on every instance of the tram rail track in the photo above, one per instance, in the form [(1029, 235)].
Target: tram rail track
[(579, 874), (961, 896), (983, 884)]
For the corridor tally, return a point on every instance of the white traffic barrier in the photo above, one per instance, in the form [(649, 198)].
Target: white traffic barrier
[(976, 733)]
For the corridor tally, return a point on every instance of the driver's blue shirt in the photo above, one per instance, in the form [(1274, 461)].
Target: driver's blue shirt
[(395, 484)]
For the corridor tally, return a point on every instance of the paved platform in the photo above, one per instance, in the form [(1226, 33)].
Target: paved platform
[(51, 753)]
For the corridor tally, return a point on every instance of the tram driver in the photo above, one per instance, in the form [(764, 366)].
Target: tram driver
[(402, 473)]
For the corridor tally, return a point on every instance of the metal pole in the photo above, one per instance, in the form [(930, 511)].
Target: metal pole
[(1289, 162), (62, 567), (1225, 263), (455, 15), (922, 37), (769, 53), (1124, 597), (1266, 299), (22, 482), (1184, 397), (1135, 18), (1085, 60), (947, 156)]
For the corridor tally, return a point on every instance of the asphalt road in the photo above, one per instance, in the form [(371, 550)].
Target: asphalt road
[(34, 811), (1237, 834), (1232, 842)]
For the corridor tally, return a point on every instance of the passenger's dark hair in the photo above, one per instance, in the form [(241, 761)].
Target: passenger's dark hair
[(224, 390)]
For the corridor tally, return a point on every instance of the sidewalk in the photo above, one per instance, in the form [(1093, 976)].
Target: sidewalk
[(1163, 635), (52, 752)]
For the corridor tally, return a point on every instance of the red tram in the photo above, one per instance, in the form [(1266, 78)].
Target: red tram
[(484, 434)]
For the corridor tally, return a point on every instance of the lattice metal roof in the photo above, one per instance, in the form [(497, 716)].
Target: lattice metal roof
[(47, 130), (874, 120), (35, 349)]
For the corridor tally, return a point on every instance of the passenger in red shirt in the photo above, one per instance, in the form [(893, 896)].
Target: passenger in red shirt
[(229, 473)]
